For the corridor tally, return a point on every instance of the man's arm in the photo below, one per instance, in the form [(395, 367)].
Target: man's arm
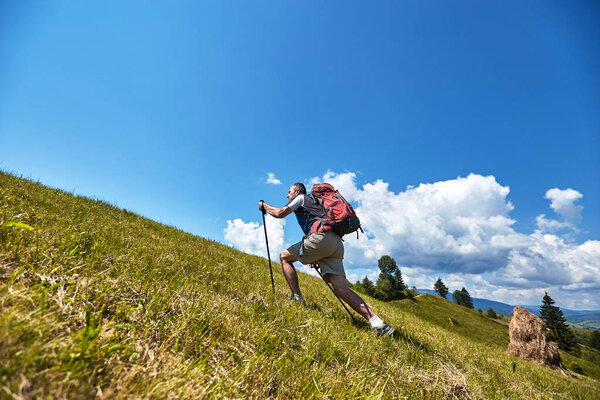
[(275, 211)]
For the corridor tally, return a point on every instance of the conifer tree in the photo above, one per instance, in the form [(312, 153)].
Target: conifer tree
[(368, 287), (390, 283), (357, 287), (463, 298), (439, 287), (468, 301), (556, 323), (491, 313), (387, 267), (398, 281), (384, 290), (595, 340), (457, 296)]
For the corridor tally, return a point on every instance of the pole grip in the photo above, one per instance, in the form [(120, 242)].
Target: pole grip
[(263, 207)]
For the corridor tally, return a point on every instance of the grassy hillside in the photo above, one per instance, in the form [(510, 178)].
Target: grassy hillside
[(98, 302)]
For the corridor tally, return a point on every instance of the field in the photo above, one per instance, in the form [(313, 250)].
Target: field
[(97, 302)]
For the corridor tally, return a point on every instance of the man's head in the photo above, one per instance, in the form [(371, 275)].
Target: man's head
[(296, 189)]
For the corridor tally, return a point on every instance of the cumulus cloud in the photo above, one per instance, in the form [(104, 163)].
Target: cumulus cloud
[(457, 225), (344, 183), (272, 180), (562, 202), (249, 237), (550, 225), (552, 261)]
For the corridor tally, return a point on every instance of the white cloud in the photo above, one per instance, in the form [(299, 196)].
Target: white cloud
[(344, 183), (250, 237), (518, 296), (562, 202), (414, 278), (456, 225), (551, 225), (272, 180), (551, 261), (372, 274)]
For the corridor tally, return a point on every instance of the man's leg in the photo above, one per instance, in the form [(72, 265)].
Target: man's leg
[(286, 258), (341, 289)]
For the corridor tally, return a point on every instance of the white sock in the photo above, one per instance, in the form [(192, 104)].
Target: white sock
[(297, 297), (376, 322)]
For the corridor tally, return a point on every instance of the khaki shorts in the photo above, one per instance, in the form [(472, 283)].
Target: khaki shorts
[(325, 249)]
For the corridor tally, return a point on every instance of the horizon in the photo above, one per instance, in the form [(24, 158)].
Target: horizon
[(466, 136), (509, 304)]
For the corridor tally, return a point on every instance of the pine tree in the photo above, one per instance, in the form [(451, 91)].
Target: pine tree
[(457, 297), (595, 340), (491, 313), (368, 287), (547, 309), (398, 281), (440, 288), (463, 298), (468, 301), (383, 289), (556, 323), (357, 287), (390, 283)]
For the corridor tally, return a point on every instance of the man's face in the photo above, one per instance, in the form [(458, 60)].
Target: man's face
[(292, 192)]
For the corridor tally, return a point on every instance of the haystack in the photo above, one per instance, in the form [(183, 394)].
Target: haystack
[(528, 340)]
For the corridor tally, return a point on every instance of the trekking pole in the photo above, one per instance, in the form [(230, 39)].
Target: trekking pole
[(268, 253), (330, 288)]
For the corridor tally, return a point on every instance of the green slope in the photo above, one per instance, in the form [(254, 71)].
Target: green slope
[(99, 302)]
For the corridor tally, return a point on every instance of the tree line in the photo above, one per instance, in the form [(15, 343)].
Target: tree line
[(554, 320), (390, 286), (460, 297)]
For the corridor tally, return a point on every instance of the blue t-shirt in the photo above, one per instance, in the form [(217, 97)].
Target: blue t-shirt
[(307, 211)]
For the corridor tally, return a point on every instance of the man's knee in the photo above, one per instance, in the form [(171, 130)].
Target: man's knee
[(287, 256)]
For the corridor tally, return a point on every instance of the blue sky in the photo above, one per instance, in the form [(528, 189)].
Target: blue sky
[(179, 110)]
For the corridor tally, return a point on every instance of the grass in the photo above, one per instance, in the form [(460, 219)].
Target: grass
[(98, 302)]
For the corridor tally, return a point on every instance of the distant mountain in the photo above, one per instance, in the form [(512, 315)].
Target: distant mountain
[(581, 315), (575, 317)]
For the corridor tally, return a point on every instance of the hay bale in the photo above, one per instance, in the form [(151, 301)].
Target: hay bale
[(528, 340)]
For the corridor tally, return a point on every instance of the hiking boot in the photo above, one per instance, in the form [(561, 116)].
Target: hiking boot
[(384, 330), (296, 298)]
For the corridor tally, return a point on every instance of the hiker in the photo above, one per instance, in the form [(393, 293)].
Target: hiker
[(323, 248)]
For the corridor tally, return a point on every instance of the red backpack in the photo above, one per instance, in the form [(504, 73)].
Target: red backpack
[(341, 217)]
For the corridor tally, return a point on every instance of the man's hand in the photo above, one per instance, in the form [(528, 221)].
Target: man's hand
[(274, 211), (313, 265)]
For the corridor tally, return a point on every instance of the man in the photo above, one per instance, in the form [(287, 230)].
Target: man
[(323, 248)]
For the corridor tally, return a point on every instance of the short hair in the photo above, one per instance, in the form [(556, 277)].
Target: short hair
[(299, 187)]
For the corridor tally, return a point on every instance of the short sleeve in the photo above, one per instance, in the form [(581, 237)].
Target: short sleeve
[(296, 203)]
